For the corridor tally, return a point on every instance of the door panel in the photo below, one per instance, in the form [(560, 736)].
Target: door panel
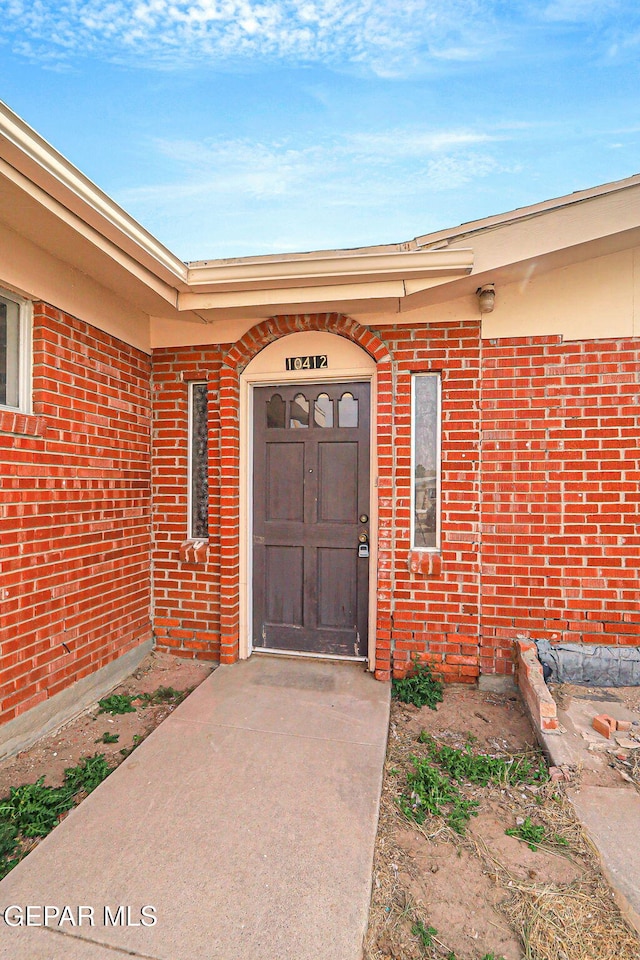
[(310, 487), (284, 572), (285, 481), (337, 588), (338, 481)]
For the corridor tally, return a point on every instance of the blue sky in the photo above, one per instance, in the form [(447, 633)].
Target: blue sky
[(239, 127)]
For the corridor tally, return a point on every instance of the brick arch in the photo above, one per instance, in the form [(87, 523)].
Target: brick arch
[(264, 333), (255, 340)]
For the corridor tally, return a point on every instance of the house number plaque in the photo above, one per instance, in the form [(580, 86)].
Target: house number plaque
[(306, 363)]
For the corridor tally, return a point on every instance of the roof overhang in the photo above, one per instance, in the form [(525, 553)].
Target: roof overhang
[(46, 199), (327, 281)]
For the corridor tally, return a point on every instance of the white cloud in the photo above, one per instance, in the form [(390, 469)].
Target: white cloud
[(578, 11), (390, 38), (359, 172)]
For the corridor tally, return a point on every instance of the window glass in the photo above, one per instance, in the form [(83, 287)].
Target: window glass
[(323, 411), (198, 461), (9, 353), (426, 460), (347, 411), (276, 412), (299, 412)]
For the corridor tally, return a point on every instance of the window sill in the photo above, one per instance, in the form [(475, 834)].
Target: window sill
[(426, 562), (194, 552), (21, 424)]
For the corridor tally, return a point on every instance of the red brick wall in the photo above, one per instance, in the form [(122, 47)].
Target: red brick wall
[(196, 596), (435, 606), (539, 522), (561, 494), (186, 586), (74, 513)]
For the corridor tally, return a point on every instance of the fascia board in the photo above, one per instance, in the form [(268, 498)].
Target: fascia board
[(48, 170), (602, 222), (98, 243), (453, 235), (347, 269), (287, 298)]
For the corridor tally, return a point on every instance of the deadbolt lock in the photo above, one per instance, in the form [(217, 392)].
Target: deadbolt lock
[(363, 518), (363, 538)]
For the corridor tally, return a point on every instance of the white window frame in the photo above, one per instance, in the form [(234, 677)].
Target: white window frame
[(191, 385), (25, 350), (438, 378)]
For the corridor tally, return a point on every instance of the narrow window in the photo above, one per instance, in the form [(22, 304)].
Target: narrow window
[(198, 462), (425, 461), (15, 354)]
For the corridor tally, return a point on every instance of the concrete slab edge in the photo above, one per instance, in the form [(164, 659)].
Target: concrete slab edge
[(49, 716), (376, 820), (627, 909)]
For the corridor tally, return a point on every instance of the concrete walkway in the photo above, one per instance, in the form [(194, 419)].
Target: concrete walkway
[(247, 821)]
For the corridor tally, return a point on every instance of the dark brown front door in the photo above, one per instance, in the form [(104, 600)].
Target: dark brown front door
[(310, 507)]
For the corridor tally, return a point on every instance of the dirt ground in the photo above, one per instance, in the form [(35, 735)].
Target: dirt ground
[(53, 754), (437, 894), (485, 895)]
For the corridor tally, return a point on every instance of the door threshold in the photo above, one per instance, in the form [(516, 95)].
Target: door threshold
[(273, 652)]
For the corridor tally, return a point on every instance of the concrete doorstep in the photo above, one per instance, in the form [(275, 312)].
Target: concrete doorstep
[(244, 826)]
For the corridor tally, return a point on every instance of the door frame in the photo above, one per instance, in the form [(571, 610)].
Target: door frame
[(248, 381)]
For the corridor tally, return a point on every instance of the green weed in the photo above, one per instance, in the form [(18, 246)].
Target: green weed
[(422, 688), (534, 834), (117, 703), (431, 792), (432, 785), (33, 809), (163, 695), (424, 934), (89, 773), (108, 737), (483, 769)]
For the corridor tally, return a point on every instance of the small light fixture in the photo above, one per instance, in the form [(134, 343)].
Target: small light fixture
[(486, 297)]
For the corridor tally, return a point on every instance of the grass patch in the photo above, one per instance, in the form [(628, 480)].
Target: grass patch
[(483, 769), (33, 809), (422, 688), (431, 792), (433, 784)]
